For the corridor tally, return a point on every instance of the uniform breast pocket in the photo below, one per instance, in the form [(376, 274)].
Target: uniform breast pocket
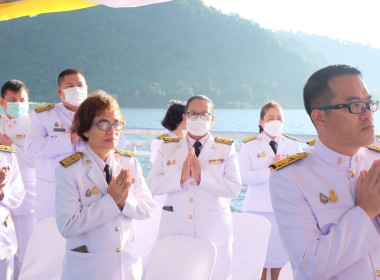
[(329, 216)]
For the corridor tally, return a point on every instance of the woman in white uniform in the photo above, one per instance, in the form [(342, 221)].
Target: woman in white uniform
[(99, 191), (174, 126), (257, 153)]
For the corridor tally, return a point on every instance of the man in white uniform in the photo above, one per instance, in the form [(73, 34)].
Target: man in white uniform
[(199, 174), (326, 203), (12, 194), (13, 129), (50, 139)]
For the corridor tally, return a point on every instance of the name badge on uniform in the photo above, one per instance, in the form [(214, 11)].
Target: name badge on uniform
[(213, 161), (59, 129)]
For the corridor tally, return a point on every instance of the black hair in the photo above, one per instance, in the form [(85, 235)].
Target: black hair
[(174, 115), (13, 85)]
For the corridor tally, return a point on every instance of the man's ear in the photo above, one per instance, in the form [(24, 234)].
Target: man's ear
[(319, 118), (61, 94)]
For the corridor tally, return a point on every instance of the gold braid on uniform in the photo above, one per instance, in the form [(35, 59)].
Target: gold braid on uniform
[(44, 108), (311, 142), (7, 148), (71, 159), (288, 160), (249, 139), (124, 152), (171, 139), (373, 148), (162, 136), (291, 137), (223, 140)]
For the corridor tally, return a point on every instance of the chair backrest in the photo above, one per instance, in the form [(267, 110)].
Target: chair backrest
[(182, 257), (146, 232), (251, 235), (45, 252), (286, 272)]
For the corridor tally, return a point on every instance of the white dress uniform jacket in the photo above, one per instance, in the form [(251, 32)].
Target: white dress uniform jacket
[(255, 157), (326, 235), (198, 210), (49, 141), (14, 194), (87, 215), (157, 142), (23, 216)]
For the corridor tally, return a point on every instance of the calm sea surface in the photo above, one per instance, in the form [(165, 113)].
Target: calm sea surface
[(237, 120)]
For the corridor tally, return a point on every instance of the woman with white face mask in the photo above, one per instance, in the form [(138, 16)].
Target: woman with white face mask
[(257, 153)]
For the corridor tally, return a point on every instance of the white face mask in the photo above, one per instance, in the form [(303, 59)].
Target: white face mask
[(75, 95), (198, 127), (274, 128)]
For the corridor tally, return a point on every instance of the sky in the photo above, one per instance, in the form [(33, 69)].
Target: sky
[(345, 20)]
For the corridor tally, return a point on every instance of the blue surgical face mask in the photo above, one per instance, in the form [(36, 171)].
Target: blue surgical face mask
[(17, 109)]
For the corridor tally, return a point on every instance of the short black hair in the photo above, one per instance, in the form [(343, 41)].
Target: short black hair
[(317, 93), (174, 115), (13, 85), (202, 97), (67, 72)]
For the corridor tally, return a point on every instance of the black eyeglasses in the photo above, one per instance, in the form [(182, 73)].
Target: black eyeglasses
[(194, 115), (104, 125), (355, 107)]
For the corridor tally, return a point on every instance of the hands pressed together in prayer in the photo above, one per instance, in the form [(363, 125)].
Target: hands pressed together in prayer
[(119, 186), (191, 167), (368, 190)]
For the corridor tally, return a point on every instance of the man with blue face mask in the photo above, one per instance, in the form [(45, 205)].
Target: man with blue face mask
[(50, 139), (13, 129), (199, 174)]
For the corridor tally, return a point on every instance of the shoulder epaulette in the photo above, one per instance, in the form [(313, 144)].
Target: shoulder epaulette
[(162, 136), (1, 115), (288, 160), (311, 142), (249, 139), (7, 148), (171, 139), (71, 159), (377, 136), (373, 148), (291, 137), (44, 108), (223, 140), (124, 152)]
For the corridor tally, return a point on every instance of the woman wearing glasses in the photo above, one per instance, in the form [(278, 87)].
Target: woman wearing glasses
[(99, 191), (257, 153)]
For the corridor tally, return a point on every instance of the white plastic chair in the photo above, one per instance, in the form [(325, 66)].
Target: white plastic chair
[(181, 257), (45, 252), (251, 236), (286, 272), (146, 232)]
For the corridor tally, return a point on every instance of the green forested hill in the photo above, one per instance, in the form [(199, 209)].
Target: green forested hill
[(148, 55)]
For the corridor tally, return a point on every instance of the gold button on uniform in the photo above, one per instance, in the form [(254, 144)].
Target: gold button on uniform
[(190, 217), (191, 200), (352, 173), (117, 228), (118, 250), (192, 183), (378, 272)]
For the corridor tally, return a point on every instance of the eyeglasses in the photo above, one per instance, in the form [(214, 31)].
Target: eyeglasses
[(104, 125), (355, 107), (194, 115)]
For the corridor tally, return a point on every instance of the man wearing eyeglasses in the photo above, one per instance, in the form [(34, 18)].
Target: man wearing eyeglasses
[(327, 202), (199, 174), (49, 139)]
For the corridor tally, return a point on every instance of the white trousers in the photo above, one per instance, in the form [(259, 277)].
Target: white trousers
[(24, 226), (6, 268)]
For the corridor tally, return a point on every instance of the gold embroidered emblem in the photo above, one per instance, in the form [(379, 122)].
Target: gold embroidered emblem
[(44, 108), (288, 160), (324, 199), (124, 152), (71, 159), (223, 140), (249, 139)]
